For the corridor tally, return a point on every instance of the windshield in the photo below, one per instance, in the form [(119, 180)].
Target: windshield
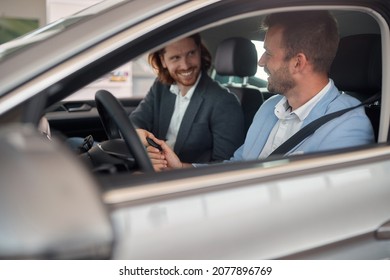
[(54, 28)]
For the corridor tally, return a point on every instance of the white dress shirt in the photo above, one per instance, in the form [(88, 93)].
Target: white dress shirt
[(289, 122), (181, 105)]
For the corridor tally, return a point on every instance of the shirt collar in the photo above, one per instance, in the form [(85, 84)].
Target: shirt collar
[(282, 108), (175, 89)]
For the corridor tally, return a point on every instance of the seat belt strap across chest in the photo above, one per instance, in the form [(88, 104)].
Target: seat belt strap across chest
[(309, 129)]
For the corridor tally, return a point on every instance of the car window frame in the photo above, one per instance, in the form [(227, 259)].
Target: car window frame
[(134, 38)]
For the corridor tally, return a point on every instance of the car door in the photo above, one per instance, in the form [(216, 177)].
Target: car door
[(325, 205), (77, 116)]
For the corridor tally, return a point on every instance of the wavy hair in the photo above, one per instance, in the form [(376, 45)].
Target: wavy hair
[(163, 75)]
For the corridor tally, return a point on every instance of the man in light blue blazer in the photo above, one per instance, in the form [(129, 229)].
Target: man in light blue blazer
[(299, 50), (351, 129)]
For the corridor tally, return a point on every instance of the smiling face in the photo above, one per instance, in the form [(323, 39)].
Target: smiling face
[(182, 59), (275, 65)]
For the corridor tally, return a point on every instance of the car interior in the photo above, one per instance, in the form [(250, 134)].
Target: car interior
[(237, 57), (356, 70)]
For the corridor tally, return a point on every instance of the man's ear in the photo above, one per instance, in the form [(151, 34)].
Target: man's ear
[(299, 62)]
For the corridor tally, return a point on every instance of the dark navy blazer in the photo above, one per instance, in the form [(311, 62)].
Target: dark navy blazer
[(212, 127)]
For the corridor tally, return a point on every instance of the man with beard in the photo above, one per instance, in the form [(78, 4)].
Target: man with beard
[(299, 50), (200, 120)]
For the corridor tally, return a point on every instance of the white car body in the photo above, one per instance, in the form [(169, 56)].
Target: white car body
[(332, 205)]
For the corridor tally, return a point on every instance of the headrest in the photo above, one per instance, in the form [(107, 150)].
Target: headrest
[(357, 66), (236, 57)]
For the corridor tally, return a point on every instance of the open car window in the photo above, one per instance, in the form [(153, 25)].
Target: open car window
[(132, 80)]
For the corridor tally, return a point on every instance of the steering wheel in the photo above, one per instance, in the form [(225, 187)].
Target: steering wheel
[(116, 123)]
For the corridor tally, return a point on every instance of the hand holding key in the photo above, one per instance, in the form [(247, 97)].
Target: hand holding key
[(152, 143)]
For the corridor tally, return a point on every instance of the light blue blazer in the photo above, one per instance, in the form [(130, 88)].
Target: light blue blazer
[(351, 129)]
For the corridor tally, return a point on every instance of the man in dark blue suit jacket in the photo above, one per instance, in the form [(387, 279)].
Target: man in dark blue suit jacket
[(201, 120)]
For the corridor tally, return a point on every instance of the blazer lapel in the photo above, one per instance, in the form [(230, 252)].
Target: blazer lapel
[(189, 115), (258, 133), (322, 106)]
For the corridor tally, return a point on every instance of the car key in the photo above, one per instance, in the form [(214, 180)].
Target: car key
[(153, 144)]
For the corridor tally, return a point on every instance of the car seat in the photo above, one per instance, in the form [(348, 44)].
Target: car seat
[(357, 70), (237, 57)]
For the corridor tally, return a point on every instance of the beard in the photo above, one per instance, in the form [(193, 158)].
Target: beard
[(187, 80), (280, 81)]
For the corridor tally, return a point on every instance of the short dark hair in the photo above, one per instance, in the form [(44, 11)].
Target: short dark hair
[(314, 33), (163, 74)]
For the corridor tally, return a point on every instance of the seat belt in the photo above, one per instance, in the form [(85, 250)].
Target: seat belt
[(309, 129)]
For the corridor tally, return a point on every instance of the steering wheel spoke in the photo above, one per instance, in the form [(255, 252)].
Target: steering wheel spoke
[(116, 123)]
